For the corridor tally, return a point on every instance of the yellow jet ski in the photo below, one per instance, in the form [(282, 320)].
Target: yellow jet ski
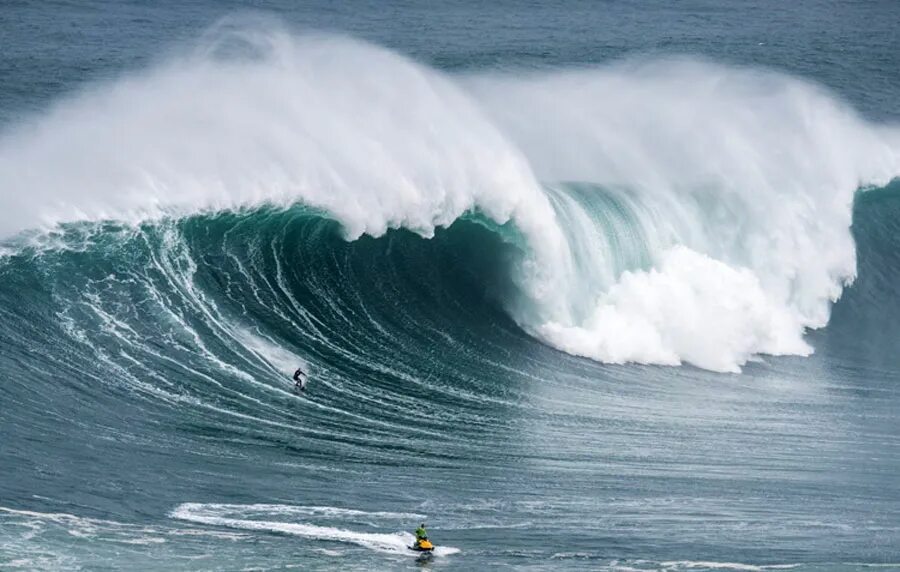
[(423, 545)]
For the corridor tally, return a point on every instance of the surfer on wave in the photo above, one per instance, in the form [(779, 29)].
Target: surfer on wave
[(301, 379)]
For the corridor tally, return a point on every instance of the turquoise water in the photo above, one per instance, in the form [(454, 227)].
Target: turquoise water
[(563, 276)]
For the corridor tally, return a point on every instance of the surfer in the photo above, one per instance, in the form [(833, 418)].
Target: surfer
[(300, 379)]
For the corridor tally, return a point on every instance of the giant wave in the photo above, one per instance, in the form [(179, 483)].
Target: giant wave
[(646, 211)]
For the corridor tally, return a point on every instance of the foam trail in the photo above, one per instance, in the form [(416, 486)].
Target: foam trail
[(738, 184), (228, 516)]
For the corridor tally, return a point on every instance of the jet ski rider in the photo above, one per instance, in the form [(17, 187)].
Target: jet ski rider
[(421, 534)]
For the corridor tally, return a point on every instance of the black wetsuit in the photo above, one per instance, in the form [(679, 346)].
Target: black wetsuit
[(298, 377)]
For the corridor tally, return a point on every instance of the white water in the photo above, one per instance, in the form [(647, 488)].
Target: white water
[(249, 517), (741, 182)]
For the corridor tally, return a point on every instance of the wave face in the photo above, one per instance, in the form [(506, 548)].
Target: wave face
[(665, 211)]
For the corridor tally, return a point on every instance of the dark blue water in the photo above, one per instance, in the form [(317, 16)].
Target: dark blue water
[(199, 197)]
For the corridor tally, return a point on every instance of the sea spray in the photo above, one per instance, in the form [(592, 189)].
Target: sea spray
[(740, 182)]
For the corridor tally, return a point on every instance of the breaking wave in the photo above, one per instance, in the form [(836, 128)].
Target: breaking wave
[(660, 212)]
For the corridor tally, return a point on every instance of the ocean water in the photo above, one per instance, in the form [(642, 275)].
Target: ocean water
[(581, 285)]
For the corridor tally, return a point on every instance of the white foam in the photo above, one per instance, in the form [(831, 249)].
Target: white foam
[(275, 356), (691, 564), (692, 308), (751, 171), (302, 510), (358, 131)]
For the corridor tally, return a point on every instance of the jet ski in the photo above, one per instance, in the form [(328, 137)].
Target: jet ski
[(422, 546)]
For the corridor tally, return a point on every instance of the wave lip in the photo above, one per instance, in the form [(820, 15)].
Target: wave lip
[(364, 134)]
